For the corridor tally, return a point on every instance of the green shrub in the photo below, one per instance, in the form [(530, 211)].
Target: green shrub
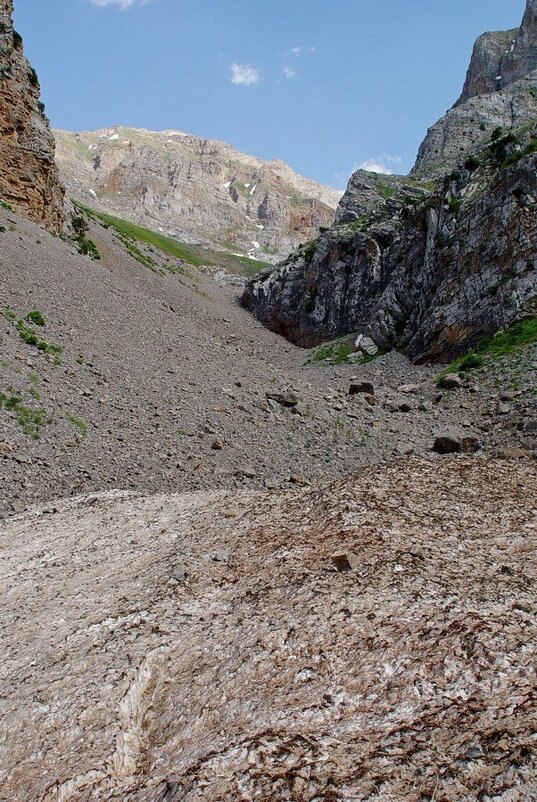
[(29, 336), (472, 163), (36, 317), (88, 248), (503, 343), (81, 425), (30, 420)]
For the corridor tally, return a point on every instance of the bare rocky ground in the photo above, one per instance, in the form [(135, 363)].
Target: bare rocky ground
[(162, 385), (280, 634), (214, 646)]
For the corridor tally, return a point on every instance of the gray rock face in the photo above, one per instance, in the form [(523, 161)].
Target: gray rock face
[(431, 280), (194, 189), (429, 265), (498, 92)]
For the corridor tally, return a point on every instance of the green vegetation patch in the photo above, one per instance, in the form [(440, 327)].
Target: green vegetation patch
[(503, 343), (30, 419), (332, 353), (29, 336), (81, 425), (196, 256), (145, 235), (35, 316)]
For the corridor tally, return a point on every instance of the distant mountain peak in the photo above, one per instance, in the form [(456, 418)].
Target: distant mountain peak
[(197, 189)]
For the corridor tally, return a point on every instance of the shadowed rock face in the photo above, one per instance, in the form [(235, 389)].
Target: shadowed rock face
[(430, 280), (29, 179), (429, 266)]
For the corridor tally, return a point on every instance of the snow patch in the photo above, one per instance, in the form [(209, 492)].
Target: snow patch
[(252, 191), (256, 245), (261, 227), (92, 192), (227, 184), (113, 136)]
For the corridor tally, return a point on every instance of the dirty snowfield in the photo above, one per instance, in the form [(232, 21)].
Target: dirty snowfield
[(371, 639)]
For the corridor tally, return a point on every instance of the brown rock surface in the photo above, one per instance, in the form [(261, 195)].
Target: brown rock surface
[(206, 647), (29, 179)]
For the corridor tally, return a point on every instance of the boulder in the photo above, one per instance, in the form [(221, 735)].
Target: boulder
[(451, 381), (358, 387), (286, 398), (366, 345), (446, 444)]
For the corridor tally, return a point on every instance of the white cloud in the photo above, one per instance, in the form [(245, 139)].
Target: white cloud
[(297, 51), (288, 71), (122, 4), (386, 165), (244, 74)]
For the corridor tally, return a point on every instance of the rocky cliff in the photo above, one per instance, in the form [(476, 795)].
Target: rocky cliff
[(426, 265), (198, 190), (499, 91), (29, 180)]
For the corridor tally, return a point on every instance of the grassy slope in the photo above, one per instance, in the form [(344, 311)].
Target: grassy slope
[(191, 254)]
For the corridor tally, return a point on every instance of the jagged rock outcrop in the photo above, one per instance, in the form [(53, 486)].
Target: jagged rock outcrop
[(197, 190), (373, 638), (430, 279), (29, 179), (499, 91), (430, 266)]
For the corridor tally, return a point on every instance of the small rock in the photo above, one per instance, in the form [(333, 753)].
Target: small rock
[(470, 445), (5, 448), (361, 387), (286, 398), (405, 407), (177, 575), (502, 408), (302, 410), (217, 445), (344, 561), (297, 479), (515, 453), (247, 473), (452, 381), (446, 445), (408, 388)]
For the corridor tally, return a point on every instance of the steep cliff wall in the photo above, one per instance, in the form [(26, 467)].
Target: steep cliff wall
[(429, 265), (195, 189), (29, 180), (499, 91), (430, 279)]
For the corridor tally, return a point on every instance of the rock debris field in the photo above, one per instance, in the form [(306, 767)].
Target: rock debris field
[(370, 639), (195, 608), (164, 383)]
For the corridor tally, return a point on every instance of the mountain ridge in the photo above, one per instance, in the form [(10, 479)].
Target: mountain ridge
[(198, 190)]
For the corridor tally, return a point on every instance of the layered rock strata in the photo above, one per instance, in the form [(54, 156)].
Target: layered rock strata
[(29, 179), (197, 190)]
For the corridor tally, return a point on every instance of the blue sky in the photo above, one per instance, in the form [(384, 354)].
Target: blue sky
[(326, 85)]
